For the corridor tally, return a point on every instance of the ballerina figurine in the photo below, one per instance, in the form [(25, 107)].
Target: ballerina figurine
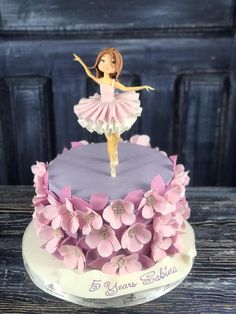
[(109, 113)]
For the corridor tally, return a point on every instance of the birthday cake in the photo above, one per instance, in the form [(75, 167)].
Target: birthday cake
[(116, 223), (91, 221)]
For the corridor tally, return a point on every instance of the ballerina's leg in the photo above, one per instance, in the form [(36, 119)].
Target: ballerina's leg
[(117, 140), (110, 150)]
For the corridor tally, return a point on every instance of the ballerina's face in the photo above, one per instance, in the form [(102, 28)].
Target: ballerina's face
[(107, 64)]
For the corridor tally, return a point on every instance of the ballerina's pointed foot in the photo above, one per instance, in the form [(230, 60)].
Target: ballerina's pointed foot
[(116, 159), (113, 169)]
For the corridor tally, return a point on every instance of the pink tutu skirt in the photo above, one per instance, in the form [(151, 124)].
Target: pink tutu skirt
[(109, 116)]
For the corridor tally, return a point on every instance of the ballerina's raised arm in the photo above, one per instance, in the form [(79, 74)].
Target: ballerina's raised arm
[(118, 85), (86, 68)]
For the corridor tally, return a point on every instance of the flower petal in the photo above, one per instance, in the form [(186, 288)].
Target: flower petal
[(98, 201), (133, 266), (109, 268), (70, 261), (147, 212), (143, 235), (92, 240), (128, 219), (105, 248)]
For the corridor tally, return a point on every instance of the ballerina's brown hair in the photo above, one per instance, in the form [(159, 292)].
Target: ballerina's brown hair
[(118, 62)]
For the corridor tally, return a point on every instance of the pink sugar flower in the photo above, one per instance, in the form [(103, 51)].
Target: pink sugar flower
[(40, 179), (164, 225), (140, 140), (104, 240), (118, 212), (79, 143), (183, 208), (67, 218), (135, 237), (39, 169), (123, 264), (174, 192), (51, 237), (153, 202), (181, 176), (159, 247), (181, 213), (50, 211), (73, 257), (91, 220), (39, 219), (150, 203), (177, 241)]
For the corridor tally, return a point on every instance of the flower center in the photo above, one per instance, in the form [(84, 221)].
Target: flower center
[(77, 253), (56, 233), (131, 233), (104, 233), (118, 208), (150, 200), (90, 217), (121, 262)]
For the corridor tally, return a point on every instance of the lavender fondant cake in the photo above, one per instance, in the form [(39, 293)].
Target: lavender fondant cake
[(121, 225)]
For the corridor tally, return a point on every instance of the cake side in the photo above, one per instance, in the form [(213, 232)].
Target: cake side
[(121, 235)]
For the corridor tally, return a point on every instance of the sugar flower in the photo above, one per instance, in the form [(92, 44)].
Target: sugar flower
[(67, 218), (40, 182), (177, 241), (73, 257), (135, 237), (164, 225), (150, 203), (79, 143), (39, 220), (181, 213), (159, 247), (104, 240), (90, 217), (91, 220), (50, 211), (118, 212), (51, 238), (183, 208), (153, 202), (140, 140), (123, 264), (174, 192), (181, 174)]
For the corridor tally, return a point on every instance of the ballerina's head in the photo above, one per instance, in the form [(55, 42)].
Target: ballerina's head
[(110, 61)]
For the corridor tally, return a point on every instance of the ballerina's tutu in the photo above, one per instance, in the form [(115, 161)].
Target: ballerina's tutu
[(109, 112)]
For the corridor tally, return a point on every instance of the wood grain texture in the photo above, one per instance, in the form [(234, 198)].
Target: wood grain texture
[(129, 17), (210, 287)]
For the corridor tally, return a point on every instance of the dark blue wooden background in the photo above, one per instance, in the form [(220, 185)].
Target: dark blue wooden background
[(186, 49)]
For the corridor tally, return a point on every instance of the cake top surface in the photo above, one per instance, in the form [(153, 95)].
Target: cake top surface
[(86, 170)]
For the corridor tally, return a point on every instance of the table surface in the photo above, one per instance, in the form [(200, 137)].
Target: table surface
[(209, 288)]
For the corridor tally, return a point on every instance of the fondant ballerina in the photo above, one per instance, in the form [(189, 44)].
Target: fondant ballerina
[(109, 113)]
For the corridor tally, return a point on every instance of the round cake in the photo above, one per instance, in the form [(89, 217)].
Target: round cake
[(89, 221)]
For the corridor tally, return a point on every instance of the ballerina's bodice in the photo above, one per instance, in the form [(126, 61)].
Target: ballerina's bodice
[(107, 92)]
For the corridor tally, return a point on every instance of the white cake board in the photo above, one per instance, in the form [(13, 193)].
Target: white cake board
[(95, 289)]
